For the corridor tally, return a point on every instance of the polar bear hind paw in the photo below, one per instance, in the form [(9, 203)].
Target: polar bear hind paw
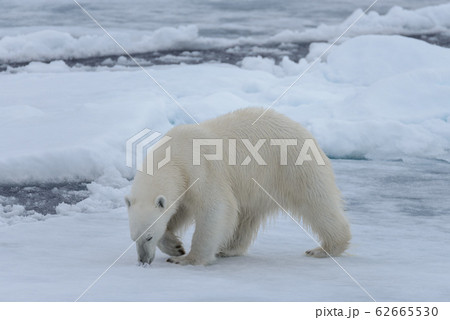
[(186, 260), (229, 253), (317, 253)]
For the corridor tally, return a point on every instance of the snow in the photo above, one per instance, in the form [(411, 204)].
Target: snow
[(12, 214), (391, 103), (390, 256), (50, 44), (378, 105), (397, 20)]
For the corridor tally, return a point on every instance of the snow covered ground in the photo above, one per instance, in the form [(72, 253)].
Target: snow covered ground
[(378, 105), (400, 223)]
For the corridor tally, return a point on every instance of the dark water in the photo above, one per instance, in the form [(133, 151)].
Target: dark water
[(218, 19), (232, 55), (43, 198), (420, 188)]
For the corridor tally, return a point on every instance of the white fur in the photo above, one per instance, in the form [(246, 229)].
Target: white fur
[(226, 205)]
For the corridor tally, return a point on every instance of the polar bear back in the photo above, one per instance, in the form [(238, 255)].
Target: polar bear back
[(291, 184)]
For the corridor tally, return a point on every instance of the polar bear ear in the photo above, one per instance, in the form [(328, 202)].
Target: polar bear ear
[(160, 202)]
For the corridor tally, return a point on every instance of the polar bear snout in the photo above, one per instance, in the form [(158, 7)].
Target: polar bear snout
[(146, 259), (146, 250)]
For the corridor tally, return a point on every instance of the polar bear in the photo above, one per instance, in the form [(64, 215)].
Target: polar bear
[(228, 175)]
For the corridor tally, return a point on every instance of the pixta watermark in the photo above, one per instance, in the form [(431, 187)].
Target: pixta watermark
[(141, 148)]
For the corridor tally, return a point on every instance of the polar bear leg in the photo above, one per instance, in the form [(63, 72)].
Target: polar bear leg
[(328, 221), (170, 243), (244, 235), (213, 229)]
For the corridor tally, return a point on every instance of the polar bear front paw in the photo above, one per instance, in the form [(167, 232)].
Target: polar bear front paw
[(177, 250), (181, 260), (176, 260), (171, 245), (317, 253)]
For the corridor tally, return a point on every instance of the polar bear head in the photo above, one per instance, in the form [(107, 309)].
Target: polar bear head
[(151, 204)]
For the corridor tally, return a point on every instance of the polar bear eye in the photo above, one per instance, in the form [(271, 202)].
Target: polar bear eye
[(148, 238), (128, 202)]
